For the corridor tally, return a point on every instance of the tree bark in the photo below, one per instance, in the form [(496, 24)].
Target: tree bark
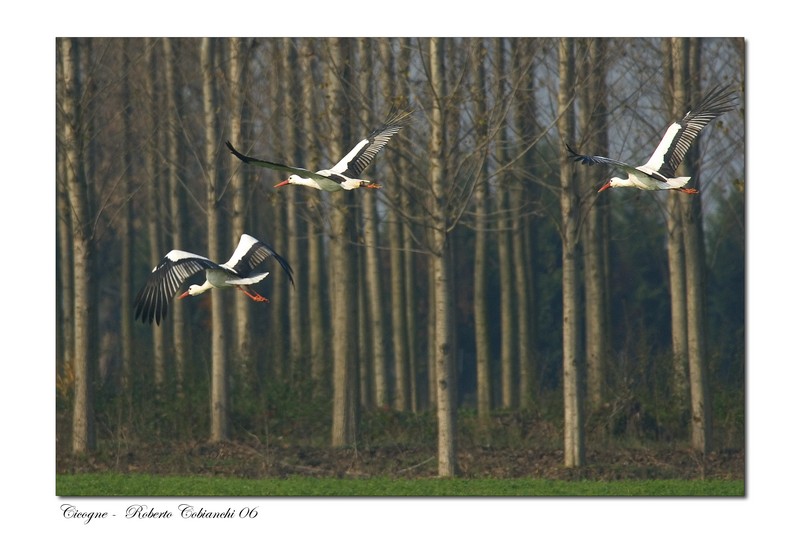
[(371, 241), (394, 230), (243, 356), (343, 302), (696, 280), (177, 206), (573, 408), (83, 436), (126, 234), (316, 272), (445, 378), (508, 349), (482, 347), (154, 199), (521, 240), (595, 241), (678, 71), (219, 371)]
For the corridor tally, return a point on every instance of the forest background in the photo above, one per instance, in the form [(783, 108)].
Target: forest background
[(452, 276)]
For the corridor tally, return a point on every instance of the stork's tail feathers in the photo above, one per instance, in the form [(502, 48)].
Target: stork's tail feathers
[(679, 182)]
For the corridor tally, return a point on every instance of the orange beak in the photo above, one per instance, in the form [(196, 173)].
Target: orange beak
[(184, 295), (372, 186), (604, 187), (281, 184)]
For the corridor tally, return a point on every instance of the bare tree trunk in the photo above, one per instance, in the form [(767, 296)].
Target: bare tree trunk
[(526, 126), (394, 227), (316, 271), (407, 377), (675, 246), (219, 372), (243, 354), (508, 348), (154, 221), (126, 232), (573, 409), (343, 302), (371, 241), (297, 331), (595, 241), (176, 204), (482, 348), (696, 283), (445, 377), (67, 322), (83, 438)]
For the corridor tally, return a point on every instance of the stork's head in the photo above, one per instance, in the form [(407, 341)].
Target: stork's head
[(194, 290), (613, 182), (294, 179)]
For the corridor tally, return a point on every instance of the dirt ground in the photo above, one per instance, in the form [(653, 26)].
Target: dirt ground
[(240, 459)]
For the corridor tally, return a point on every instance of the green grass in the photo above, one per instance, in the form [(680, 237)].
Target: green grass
[(149, 485)]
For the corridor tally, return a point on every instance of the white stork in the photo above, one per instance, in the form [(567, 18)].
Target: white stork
[(659, 172), (343, 175), (177, 266)]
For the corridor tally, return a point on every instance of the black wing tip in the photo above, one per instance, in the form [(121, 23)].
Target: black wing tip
[(398, 116), (235, 152), (575, 156), (717, 100)]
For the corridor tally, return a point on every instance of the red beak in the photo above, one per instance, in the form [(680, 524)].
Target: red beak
[(604, 187), (281, 184), (184, 295)]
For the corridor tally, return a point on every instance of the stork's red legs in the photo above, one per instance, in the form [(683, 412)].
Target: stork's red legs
[(253, 296), (688, 191)]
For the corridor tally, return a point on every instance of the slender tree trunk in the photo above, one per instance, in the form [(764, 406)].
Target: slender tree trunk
[(696, 282), (243, 354), (595, 242), (177, 207), (375, 308), (521, 242), (316, 272), (67, 323), (678, 70), (343, 302), (219, 372), (292, 107), (573, 408), (126, 233), (445, 377), (154, 199), (83, 438), (394, 227), (482, 346), (508, 348)]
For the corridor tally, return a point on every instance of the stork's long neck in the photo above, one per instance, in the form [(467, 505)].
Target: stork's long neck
[(308, 182), (622, 182), (200, 289)]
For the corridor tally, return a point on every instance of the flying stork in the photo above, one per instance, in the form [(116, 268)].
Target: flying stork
[(343, 175), (177, 266), (659, 172)]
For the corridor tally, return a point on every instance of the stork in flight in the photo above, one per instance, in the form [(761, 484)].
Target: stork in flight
[(177, 266), (659, 172), (344, 174)]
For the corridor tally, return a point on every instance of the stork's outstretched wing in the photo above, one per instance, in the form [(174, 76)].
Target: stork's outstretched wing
[(164, 281), (679, 136), (278, 166)]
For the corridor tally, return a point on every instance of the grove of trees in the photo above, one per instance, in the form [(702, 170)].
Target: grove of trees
[(486, 276)]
